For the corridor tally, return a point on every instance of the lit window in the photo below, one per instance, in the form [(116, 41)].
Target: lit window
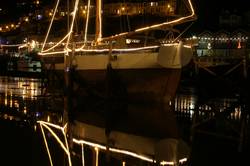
[(39, 16), (63, 14)]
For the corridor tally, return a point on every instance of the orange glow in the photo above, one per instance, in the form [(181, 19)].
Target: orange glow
[(239, 45), (96, 146), (97, 156), (167, 163), (115, 150), (99, 35)]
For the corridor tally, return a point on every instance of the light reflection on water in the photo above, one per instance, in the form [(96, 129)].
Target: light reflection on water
[(187, 103), (184, 105), (26, 97), (25, 87)]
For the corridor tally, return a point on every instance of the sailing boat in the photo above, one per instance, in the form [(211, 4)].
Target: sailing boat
[(134, 87), (151, 71)]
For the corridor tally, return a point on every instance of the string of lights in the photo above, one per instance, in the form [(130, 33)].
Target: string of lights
[(99, 35), (97, 147)]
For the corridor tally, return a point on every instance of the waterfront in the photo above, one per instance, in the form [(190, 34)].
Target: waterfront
[(215, 116), (25, 100), (40, 115)]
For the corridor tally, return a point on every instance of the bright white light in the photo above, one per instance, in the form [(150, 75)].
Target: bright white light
[(167, 163), (65, 147)]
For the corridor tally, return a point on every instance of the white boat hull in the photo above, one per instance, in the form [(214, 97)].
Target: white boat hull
[(173, 56), (147, 75)]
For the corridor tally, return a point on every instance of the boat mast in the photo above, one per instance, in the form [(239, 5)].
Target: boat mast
[(98, 28)]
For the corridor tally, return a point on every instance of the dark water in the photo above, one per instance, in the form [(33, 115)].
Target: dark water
[(217, 107), (214, 112)]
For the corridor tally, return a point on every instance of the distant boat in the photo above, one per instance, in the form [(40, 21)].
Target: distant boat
[(19, 63)]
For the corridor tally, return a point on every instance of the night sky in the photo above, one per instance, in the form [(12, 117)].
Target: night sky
[(207, 10), (11, 10)]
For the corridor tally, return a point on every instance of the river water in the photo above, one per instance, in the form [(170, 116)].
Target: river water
[(212, 117)]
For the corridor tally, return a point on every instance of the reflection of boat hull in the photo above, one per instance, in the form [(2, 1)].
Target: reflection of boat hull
[(213, 61), (163, 149), (140, 84), (152, 145), (138, 118), (153, 85)]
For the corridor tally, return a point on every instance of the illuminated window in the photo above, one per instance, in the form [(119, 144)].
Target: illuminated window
[(39, 16)]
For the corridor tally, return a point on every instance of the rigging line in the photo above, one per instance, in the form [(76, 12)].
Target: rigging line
[(182, 32), (46, 144), (67, 15), (125, 20), (51, 22), (52, 53), (65, 148), (51, 125), (56, 44), (87, 23), (11, 45), (170, 35), (62, 129), (83, 162), (184, 19), (72, 23), (128, 23), (122, 21), (113, 149), (186, 4)]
